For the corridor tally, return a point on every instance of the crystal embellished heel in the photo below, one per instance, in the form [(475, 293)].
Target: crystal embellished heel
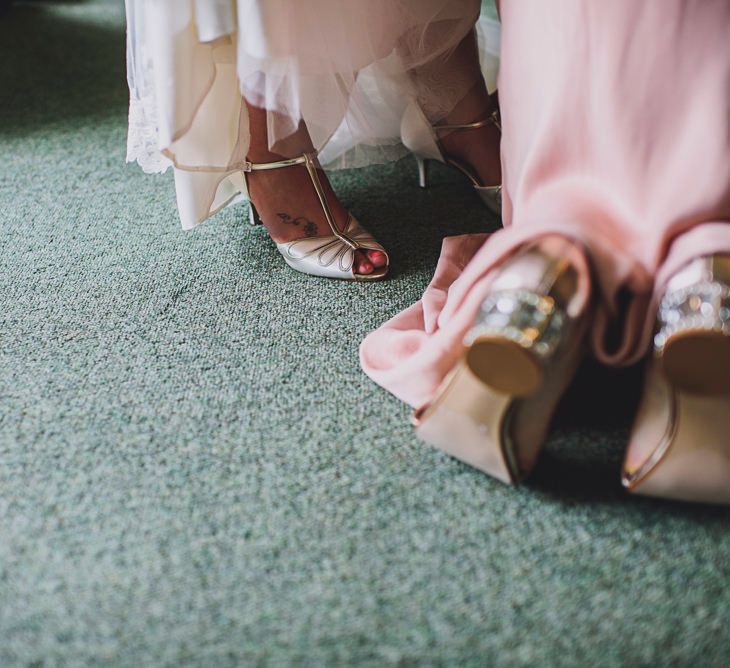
[(422, 139), (330, 256), (679, 446), (493, 410), (693, 341)]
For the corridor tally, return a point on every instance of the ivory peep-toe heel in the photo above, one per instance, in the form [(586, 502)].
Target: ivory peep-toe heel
[(494, 409), (422, 139), (679, 447), (330, 256)]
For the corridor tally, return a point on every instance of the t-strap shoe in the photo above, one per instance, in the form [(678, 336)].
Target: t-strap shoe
[(330, 256)]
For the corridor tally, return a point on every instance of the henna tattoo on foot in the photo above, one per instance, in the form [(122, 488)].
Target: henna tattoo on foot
[(287, 219), (309, 227)]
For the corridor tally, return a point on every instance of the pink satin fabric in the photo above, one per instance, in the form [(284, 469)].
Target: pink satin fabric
[(616, 132)]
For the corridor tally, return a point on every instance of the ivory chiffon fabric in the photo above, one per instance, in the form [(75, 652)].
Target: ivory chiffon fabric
[(616, 132), (347, 68)]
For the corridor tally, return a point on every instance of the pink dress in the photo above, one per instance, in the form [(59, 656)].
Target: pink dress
[(616, 132)]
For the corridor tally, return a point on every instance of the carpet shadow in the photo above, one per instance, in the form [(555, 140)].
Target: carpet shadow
[(583, 454), (57, 68)]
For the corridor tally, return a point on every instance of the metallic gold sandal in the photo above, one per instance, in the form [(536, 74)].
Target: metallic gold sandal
[(680, 444), (421, 139), (494, 408), (331, 256)]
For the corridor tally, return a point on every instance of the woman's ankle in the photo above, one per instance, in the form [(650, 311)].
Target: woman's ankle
[(476, 105), (264, 148)]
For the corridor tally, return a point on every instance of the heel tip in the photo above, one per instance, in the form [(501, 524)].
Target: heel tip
[(698, 362), (505, 366)]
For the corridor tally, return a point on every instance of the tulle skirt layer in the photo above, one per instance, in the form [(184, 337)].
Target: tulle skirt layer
[(348, 69)]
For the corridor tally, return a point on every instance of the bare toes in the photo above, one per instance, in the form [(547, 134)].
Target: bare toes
[(362, 264), (377, 258)]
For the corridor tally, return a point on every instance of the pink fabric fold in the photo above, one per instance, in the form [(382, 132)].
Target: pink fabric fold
[(411, 353)]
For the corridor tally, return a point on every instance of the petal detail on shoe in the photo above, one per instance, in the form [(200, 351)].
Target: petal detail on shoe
[(329, 256)]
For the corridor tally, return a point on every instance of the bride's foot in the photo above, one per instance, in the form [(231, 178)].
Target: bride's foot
[(478, 149), (468, 139), (289, 208), (475, 152), (285, 200)]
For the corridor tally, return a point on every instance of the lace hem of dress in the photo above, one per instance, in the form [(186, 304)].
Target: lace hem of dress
[(142, 137)]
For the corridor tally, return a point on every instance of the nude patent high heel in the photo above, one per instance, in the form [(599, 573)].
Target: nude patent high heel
[(494, 409), (422, 139), (679, 447), (330, 256)]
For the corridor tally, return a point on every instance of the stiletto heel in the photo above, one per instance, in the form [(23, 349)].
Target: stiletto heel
[(253, 215), (493, 410), (422, 171), (330, 256), (421, 138), (679, 446)]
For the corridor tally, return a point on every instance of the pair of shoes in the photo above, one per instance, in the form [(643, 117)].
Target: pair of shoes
[(422, 139), (330, 256), (494, 409)]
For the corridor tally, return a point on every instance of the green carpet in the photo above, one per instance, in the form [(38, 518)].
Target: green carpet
[(194, 471)]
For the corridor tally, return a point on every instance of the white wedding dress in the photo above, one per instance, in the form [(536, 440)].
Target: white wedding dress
[(349, 69)]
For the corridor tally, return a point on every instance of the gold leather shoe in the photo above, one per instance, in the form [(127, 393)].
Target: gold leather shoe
[(422, 139), (329, 256), (679, 447), (494, 409)]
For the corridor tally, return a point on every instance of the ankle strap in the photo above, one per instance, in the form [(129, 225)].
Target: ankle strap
[(493, 119), (248, 166)]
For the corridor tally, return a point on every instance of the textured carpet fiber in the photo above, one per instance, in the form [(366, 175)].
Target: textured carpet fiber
[(194, 471)]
